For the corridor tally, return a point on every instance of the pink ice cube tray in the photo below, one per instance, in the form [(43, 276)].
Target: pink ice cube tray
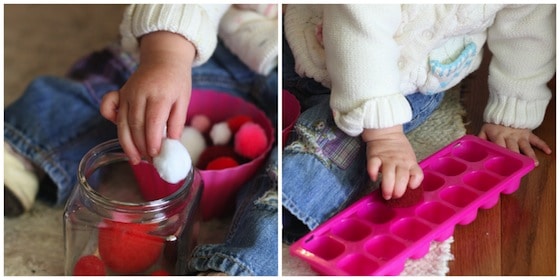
[(372, 238)]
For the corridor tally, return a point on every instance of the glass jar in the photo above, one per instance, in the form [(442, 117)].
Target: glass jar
[(123, 219)]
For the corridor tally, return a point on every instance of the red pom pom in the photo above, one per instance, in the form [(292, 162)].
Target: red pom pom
[(410, 197), (222, 163), (160, 272), (236, 122), (250, 140), (89, 265), (128, 248), (213, 152)]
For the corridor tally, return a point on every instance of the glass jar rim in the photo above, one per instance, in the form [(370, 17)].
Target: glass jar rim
[(113, 145)]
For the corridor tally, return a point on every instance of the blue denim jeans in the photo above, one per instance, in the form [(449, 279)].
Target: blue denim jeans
[(323, 169), (57, 120)]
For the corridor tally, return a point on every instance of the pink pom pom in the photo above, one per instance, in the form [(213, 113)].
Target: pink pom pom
[(250, 141), (201, 123)]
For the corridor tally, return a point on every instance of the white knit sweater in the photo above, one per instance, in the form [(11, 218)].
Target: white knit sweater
[(248, 30), (371, 56)]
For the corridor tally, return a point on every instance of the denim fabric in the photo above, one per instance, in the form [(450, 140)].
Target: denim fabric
[(251, 246), (57, 121), (323, 169), (225, 72)]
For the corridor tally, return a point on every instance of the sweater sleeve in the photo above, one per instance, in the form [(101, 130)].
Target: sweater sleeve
[(251, 33), (197, 23), (522, 42), (362, 62)]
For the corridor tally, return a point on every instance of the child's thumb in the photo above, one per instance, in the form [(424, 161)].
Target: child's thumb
[(109, 108)]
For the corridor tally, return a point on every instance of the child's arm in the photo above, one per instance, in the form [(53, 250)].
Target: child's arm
[(517, 140), (361, 58), (170, 40), (156, 95), (389, 152), (522, 41)]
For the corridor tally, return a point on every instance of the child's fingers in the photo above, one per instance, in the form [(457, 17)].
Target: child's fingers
[(402, 177), (125, 137), (388, 182), (513, 144), (539, 143), (527, 150), (373, 166), (483, 135), (109, 109), (177, 119), (136, 121), (157, 114), (110, 106), (396, 180), (416, 177), (129, 148)]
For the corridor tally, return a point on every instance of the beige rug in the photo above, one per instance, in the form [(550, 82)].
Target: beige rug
[(444, 126), (34, 242)]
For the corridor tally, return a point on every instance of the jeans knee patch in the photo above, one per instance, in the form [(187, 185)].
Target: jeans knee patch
[(326, 142)]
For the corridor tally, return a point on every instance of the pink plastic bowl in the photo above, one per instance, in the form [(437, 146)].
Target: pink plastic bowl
[(220, 186), (290, 113)]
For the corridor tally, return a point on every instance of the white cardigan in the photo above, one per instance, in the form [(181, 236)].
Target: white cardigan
[(371, 56), (248, 30)]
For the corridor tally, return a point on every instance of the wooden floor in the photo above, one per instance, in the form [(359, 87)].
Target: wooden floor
[(518, 235)]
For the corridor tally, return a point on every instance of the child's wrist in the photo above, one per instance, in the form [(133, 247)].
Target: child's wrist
[(163, 46), (381, 133)]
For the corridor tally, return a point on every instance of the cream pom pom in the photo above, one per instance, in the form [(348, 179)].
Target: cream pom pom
[(220, 133), (194, 141)]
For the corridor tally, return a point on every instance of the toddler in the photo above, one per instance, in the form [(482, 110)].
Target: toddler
[(143, 86), (368, 74)]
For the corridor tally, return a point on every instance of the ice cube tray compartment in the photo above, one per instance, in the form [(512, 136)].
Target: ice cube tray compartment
[(371, 238)]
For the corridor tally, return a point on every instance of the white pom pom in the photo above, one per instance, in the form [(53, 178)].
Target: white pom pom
[(220, 133), (173, 162), (194, 141)]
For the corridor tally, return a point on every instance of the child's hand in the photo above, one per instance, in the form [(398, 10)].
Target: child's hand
[(517, 140), (389, 152), (155, 96)]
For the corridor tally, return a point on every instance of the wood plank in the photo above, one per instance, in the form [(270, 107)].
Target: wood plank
[(518, 235), (529, 215), (477, 249)]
